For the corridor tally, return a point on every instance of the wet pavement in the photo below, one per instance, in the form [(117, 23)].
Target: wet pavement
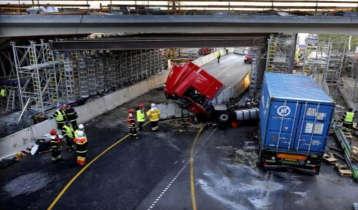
[(153, 172), (226, 180)]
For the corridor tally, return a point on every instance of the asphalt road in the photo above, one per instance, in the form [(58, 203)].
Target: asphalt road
[(158, 171), (154, 173)]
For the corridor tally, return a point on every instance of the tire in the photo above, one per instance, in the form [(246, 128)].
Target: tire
[(223, 119)]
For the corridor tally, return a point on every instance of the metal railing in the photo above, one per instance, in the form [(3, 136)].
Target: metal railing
[(179, 7)]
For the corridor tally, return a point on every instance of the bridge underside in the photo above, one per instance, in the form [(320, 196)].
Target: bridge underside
[(164, 41)]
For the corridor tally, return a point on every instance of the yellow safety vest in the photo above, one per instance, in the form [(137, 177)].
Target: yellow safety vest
[(218, 54), (3, 92), (349, 117), (140, 116), (153, 115), (69, 131), (59, 117)]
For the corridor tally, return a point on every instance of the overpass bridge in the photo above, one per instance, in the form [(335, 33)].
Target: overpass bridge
[(54, 25), (152, 41)]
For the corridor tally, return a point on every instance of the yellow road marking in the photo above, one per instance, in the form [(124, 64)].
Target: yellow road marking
[(192, 177), (69, 183)]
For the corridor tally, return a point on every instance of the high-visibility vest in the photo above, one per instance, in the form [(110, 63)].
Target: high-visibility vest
[(69, 131), (59, 117), (2, 92), (140, 116), (153, 115), (218, 54), (349, 117)]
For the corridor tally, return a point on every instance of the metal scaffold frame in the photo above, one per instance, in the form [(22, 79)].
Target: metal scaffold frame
[(36, 76), (324, 60), (280, 51), (47, 78)]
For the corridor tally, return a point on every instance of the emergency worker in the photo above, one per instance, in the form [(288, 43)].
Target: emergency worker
[(81, 143), (55, 145), (153, 115), (140, 116), (348, 118), (60, 118), (132, 124), (69, 134)]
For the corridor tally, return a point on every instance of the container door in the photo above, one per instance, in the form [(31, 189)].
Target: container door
[(282, 124), (313, 128)]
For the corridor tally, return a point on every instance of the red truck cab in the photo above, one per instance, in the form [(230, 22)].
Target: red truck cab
[(193, 86)]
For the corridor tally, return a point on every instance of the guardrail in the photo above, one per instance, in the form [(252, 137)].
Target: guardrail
[(182, 7)]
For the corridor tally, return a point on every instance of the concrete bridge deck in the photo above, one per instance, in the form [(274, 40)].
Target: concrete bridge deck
[(46, 25)]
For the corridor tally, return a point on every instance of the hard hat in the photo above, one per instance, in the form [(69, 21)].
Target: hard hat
[(130, 110), (53, 132), (141, 105), (80, 134), (152, 105), (81, 126)]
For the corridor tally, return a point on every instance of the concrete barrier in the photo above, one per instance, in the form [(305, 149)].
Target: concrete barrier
[(10, 145)]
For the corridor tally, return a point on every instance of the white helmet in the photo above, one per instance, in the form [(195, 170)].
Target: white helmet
[(81, 127), (152, 105), (80, 133)]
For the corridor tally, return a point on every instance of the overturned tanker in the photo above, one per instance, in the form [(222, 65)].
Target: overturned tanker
[(206, 91)]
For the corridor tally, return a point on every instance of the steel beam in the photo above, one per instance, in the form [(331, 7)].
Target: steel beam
[(40, 25), (160, 41)]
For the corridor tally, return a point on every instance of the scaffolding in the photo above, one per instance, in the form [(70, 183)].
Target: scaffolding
[(325, 60), (280, 53), (36, 76), (48, 78), (335, 62)]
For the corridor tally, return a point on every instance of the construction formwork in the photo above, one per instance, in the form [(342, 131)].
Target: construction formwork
[(350, 78), (325, 59), (36, 70), (47, 78), (280, 52)]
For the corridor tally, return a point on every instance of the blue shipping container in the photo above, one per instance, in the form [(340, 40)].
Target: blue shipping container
[(295, 115)]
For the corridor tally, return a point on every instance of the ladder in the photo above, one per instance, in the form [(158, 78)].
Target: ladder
[(83, 77), (51, 77), (279, 49), (10, 103), (69, 79)]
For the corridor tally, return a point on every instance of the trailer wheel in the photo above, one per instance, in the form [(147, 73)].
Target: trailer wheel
[(224, 117)]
